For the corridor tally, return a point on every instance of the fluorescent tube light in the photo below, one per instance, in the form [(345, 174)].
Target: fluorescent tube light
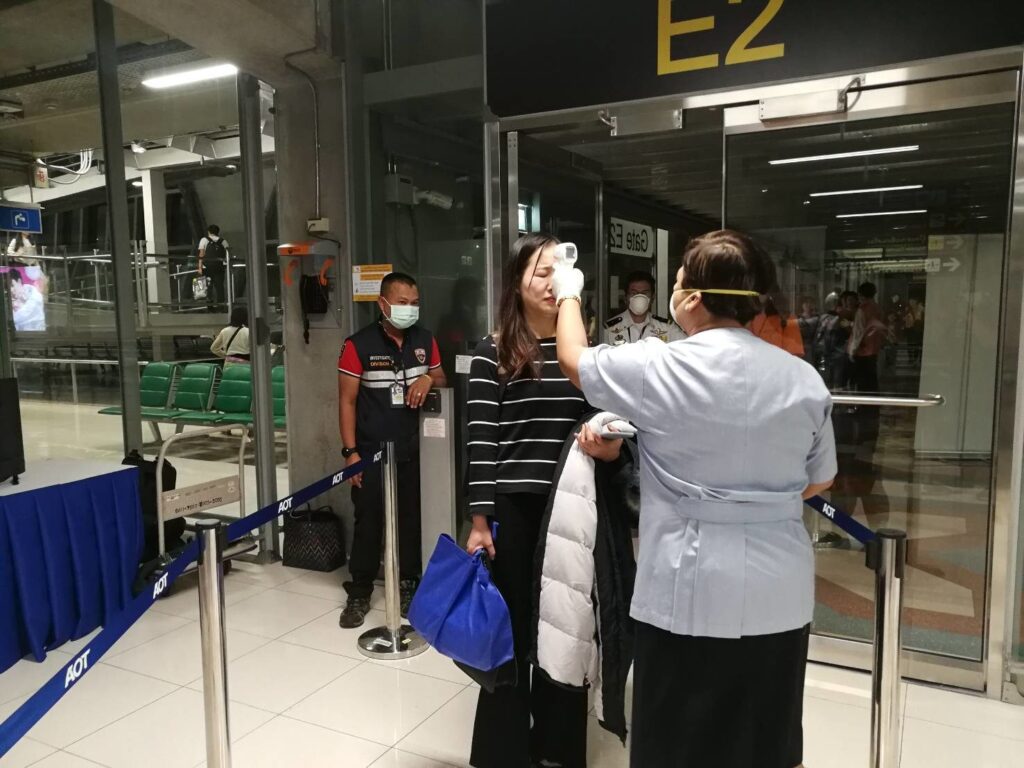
[(879, 213), (901, 188), (844, 155), (206, 71)]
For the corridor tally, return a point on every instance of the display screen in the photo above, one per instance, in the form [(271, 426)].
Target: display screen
[(27, 295)]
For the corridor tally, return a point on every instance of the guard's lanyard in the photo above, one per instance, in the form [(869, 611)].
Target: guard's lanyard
[(397, 388), (642, 329)]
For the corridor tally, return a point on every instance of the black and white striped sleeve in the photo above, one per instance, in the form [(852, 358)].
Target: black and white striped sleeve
[(483, 409)]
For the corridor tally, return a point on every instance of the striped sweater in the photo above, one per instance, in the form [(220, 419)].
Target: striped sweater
[(514, 446)]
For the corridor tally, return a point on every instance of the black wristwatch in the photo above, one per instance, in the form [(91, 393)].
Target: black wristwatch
[(348, 452)]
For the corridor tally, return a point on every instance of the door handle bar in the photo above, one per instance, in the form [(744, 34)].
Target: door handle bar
[(924, 401)]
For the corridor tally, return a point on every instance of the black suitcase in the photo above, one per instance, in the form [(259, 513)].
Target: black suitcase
[(173, 529)]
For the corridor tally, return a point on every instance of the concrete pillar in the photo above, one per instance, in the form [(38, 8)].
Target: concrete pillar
[(314, 442), (154, 216)]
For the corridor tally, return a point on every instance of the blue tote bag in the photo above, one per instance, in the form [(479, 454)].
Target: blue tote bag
[(459, 611)]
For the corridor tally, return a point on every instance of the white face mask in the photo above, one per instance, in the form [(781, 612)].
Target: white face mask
[(639, 304), (403, 315)]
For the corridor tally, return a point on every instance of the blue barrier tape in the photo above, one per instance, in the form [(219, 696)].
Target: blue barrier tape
[(860, 532), (261, 517), (29, 713), (42, 701)]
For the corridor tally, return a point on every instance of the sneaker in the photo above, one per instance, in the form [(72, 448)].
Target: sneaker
[(407, 589), (355, 612)]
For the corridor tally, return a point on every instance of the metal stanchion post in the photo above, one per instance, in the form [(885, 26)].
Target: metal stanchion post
[(214, 648), (887, 556), (394, 640)]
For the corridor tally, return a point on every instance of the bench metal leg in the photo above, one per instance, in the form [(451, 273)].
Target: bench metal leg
[(156, 431)]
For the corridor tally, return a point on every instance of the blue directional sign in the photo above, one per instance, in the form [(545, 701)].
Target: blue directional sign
[(16, 219)]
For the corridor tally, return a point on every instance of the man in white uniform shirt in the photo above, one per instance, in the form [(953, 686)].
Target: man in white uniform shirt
[(638, 322)]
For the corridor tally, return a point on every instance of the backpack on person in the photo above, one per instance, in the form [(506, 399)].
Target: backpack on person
[(215, 249)]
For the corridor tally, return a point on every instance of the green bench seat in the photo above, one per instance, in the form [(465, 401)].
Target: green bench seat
[(233, 403), (277, 389), (193, 394), (154, 389)]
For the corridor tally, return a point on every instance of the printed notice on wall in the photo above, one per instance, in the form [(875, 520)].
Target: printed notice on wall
[(433, 427), (366, 279), (462, 363)]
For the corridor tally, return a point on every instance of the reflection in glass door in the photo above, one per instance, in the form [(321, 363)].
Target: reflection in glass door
[(889, 238)]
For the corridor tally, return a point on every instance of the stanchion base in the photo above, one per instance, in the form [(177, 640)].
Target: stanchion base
[(382, 643)]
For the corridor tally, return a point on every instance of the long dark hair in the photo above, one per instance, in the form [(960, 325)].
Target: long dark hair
[(22, 242), (518, 350), (239, 317)]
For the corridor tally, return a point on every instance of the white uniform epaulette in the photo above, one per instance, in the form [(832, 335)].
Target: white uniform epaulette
[(621, 329)]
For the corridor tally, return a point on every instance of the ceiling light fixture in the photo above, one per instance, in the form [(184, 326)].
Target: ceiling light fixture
[(137, 148), (136, 183), (193, 74), (900, 188), (844, 155), (879, 213)]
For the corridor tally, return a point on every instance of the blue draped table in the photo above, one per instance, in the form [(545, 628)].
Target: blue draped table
[(70, 542)]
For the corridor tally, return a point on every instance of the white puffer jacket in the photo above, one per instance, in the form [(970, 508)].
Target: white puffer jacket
[(568, 647)]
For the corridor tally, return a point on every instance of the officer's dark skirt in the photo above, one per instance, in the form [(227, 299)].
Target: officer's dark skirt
[(723, 703)]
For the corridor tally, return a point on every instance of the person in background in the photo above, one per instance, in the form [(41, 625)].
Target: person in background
[(22, 251), (385, 371), (778, 328), (808, 323), (22, 248), (866, 340), (521, 410), (831, 339), (734, 433), (913, 321), (212, 263), (638, 322), (232, 343)]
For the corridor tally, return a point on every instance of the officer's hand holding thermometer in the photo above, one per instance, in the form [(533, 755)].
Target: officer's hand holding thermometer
[(567, 284)]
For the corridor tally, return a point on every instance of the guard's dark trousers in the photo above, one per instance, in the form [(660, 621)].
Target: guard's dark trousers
[(368, 534)]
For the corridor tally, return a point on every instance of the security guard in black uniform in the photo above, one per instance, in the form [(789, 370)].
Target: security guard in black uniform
[(384, 373), (638, 322)]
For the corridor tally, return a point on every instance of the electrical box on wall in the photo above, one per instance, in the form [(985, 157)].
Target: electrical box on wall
[(399, 189)]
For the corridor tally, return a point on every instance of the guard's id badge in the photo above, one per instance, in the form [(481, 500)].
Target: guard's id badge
[(397, 395)]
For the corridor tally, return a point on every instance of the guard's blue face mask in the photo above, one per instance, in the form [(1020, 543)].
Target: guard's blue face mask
[(403, 315)]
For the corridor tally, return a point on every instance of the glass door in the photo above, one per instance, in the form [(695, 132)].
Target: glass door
[(888, 226), (549, 189)]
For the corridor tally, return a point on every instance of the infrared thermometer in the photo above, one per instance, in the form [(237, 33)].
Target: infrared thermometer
[(566, 253)]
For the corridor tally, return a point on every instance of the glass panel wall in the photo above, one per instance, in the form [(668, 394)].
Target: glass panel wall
[(61, 337)]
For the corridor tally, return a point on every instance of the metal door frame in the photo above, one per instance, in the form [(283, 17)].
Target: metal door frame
[(992, 674), (501, 163)]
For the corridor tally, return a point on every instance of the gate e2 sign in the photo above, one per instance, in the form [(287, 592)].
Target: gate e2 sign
[(630, 238)]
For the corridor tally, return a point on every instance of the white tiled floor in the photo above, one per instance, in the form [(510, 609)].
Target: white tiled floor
[(303, 696)]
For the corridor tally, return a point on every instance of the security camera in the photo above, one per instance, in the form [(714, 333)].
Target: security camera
[(436, 199)]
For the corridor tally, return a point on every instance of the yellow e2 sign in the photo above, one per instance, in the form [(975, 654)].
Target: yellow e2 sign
[(740, 52)]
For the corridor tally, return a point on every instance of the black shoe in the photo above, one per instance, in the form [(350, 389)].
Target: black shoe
[(407, 590), (355, 612)]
